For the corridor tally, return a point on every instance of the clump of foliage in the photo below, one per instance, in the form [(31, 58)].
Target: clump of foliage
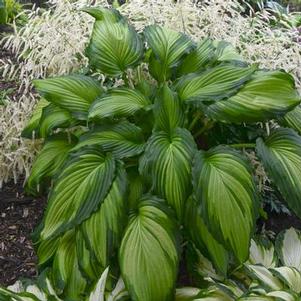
[(138, 170), (9, 9)]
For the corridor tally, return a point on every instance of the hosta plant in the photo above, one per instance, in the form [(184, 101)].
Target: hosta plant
[(153, 157)]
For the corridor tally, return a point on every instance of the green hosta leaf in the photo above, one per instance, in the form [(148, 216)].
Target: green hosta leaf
[(263, 275), (79, 191), (65, 272), (167, 161), (168, 48), (114, 45), (32, 127), (262, 252), (290, 276), (50, 160), (226, 52), (136, 187), (123, 139), (282, 296), (266, 96), (74, 93), (293, 119), (54, 117), (203, 239), (47, 249), (148, 254), (225, 190), (168, 110), (288, 247), (281, 157), (213, 293), (120, 102), (103, 230), (214, 84), (197, 59)]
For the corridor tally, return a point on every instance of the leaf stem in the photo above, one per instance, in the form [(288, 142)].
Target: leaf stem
[(206, 127), (243, 145), (194, 121)]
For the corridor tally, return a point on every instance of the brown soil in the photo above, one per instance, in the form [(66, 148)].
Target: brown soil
[(19, 215)]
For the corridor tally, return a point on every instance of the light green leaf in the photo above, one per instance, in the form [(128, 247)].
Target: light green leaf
[(225, 190), (168, 48), (32, 127), (280, 154), (73, 93), (266, 96), (292, 119), (290, 276), (263, 275), (226, 52), (288, 247), (120, 102), (168, 110), (123, 139), (54, 117), (103, 230), (167, 162), (198, 58), (262, 252), (79, 191), (148, 254), (202, 238), (119, 292), (114, 45), (49, 161), (213, 84), (65, 271), (282, 295)]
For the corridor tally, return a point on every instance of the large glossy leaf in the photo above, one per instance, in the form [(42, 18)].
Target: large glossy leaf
[(292, 119), (114, 45), (167, 161), (224, 188), (280, 154), (197, 59), (73, 93), (103, 230), (32, 127), (202, 238), (148, 254), (226, 52), (169, 111), (79, 191), (120, 102), (66, 275), (268, 95), (54, 117), (288, 247), (168, 47), (214, 84), (123, 139), (50, 160)]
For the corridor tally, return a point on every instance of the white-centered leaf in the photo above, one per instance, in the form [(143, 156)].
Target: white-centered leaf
[(225, 191), (280, 154), (148, 254), (288, 247)]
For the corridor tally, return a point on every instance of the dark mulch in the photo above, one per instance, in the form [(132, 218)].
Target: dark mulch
[(19, 215)]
